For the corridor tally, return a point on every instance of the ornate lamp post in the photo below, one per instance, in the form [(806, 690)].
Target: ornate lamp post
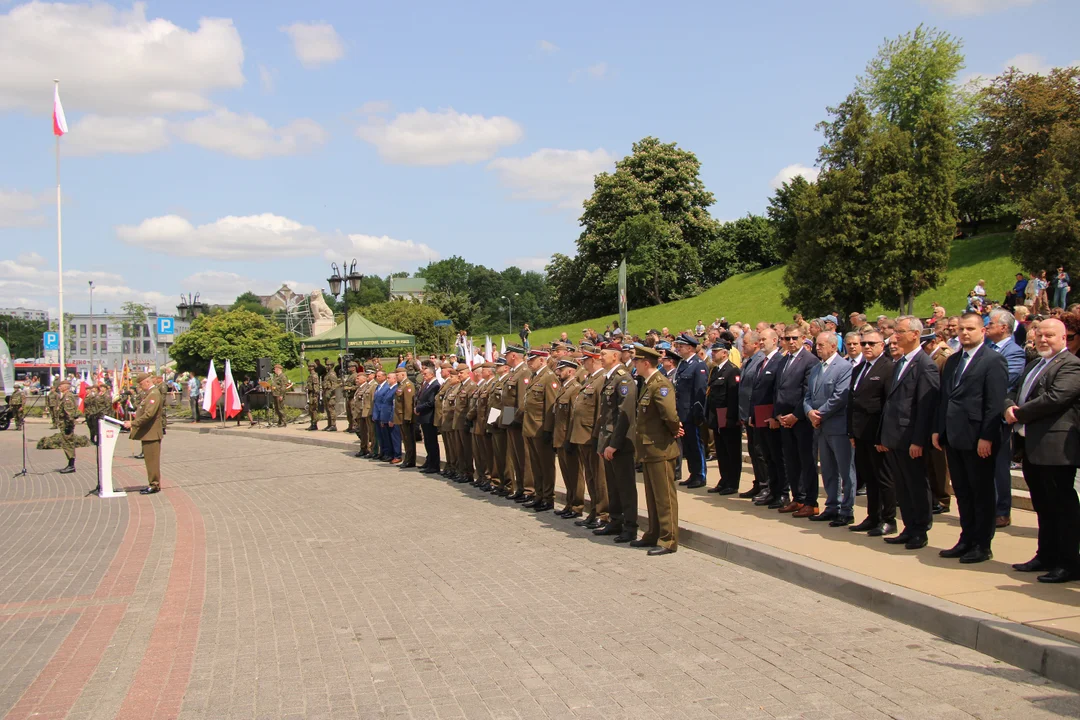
[(190, 307), (351, 280)]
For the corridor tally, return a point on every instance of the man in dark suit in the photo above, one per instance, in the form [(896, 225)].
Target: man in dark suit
[(907, 420), (968, 429), (752, 358), (425, 415), (691, 377), (723, 418), (761, 416), (870, 383), (1045, 412), (999, 335), (796, 434)]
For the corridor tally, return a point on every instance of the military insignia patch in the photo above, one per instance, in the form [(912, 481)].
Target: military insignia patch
[(663, 392), (555, 385), (623, 389)]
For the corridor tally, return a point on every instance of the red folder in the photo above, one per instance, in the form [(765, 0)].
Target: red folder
[(721, 418), (761, 414)]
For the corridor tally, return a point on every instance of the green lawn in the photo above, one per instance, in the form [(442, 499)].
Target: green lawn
[(755, 296)]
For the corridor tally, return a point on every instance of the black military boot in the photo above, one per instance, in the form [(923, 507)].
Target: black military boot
[(70, 467)]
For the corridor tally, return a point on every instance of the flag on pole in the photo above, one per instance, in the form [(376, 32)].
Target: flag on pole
[(232, 396), (59, 122), (469, 354), (487, 350), (82, 395), (622, 299), (212, 393), (502, 346)]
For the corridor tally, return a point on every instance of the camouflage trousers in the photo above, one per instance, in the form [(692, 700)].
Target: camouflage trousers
[(67, 441), (330, 405), (313, 409)]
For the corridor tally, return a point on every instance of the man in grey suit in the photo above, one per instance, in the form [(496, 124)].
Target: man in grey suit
[(999, 334), (752, 357), (968, 430), (907, 420), (1045, 412), (826, 408)]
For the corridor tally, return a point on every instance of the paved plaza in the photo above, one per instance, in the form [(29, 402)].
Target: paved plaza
[(276, 580)]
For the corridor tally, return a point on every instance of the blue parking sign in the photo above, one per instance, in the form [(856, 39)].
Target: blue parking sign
[(165, 326), (51, 340)]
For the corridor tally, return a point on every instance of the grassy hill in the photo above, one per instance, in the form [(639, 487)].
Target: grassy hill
[(755, 296)]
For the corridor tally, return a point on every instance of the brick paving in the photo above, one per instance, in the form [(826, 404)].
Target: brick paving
[(272, 580)]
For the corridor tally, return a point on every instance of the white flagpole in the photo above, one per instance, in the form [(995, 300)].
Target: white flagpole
[(59, 258)]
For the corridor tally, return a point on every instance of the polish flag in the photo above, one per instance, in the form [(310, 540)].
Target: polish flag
[(232, 397), (59, 122), (502, 346), (213, 391), (82, 395), (487, 350)]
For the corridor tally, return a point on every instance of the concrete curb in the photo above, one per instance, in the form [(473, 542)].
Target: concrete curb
[(1012, 642)]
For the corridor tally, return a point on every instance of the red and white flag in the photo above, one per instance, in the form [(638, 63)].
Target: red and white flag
[(59, 122), (232, 396), (213, 391), (488, 350)]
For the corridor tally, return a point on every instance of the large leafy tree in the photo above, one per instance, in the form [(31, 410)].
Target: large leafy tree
[(783, 216), (249, 301), (23, 336), (413, 318), (239, 336), (655, 179), (1051, 236)]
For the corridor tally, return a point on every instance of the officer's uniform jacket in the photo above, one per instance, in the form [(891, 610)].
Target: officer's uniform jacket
[(564, 411), (540, 403), (617, 411), (657, 421)]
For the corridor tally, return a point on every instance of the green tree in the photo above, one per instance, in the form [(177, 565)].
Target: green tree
[(456, 307), (413, 318), (1051, 238), (239, 336), (653, 259), (753, 246), (250, 301), (783, 216), (134, 325), (23, 336), (656, 178)]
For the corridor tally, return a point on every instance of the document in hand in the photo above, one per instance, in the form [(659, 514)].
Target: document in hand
[(493, 415)]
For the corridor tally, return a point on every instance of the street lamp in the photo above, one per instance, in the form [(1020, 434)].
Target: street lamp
[(190, 307), (352, 282), (510, 311), (93, 330)]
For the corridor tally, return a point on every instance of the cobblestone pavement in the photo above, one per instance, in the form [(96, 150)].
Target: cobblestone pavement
[(272, 580)]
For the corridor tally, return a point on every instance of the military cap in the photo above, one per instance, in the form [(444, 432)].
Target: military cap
[(720, 345), (538, 354), (68, 382), (446, 366), (610, 346), (500, 361), (644, 351), (590, 353), (138, 378), (670, 354), (515, 349), (488, 366), (564, 363), (685, 339), (927, 338), (628, 347)]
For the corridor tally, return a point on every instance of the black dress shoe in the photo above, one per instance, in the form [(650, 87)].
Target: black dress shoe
[(779, 502), (917, 542), (358, 454), (543, 506), (715, 489), (752, 492), (149, 490), (530, 503), (695, 484), (728, 491), (585, 521), (841, 521), (517, 497), (976, 555), (882, 530), (865, 525), (684, 483), (823, 516), (594, 524), (525, 499), (625, 537), (899, 539), (1032, 565), (767, 500), (486, 487), (140, 456), (642, 542), (1059, 575), (660, 551), (958, 550), (938, 509), (608, 529)]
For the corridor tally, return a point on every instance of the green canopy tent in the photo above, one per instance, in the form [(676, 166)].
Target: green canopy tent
[(363, 335)]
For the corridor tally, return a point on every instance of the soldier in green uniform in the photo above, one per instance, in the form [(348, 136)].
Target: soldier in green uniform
[(513, 399), (536, 428), (279, 385), (615, 444), (349, 386), (368, 412), (462, 441), (446, 371), (449, 417), (586, 408), (67, 411), (314, 392), (357, 404), (404, 403), (330, 385), (569, 457), (18, 408), (160, 387), (146, 428), (501, 476), (481, 434), (51, 401), (92, 411), (654, 440)]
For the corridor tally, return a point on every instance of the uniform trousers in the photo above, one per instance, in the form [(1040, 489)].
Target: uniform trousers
[(330, 403), (594, 480), (622, 489), (373, 436), (480, 460), (1053, 496), (515, 445), (693, 450), (570, 467), (912, 490), (465, 454), (875, 477), (488, 446), (542, 461), (431, 446), (279, 409), (976, 495), (408, 439), (93, 423), (662, 501), (937, 472), (728, 443), (498, 452), (362, 435), (151, 452)]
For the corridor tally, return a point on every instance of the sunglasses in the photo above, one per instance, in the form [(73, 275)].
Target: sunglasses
[(1071, 336), (791, 337), (870, 343)]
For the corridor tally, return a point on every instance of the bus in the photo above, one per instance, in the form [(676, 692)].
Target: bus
[(44, 372)]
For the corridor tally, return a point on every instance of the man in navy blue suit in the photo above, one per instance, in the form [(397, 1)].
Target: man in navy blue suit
[(691, 379), (796, 434), (383, 413)]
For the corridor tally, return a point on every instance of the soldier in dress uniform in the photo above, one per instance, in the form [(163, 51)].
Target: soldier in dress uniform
[(359, 426), (146, 427), (279, 385), (722, 398), (18, 407), (442, 422), (404, 402), (481, 440), (314, 392), (462, 425), (691, 378), (583, 422), (537, 426), (367, 412), (350, 384), (503, 475), (615, 444), (330, 385), (568, 453), (657, 427), (513, 404), (67, 411)]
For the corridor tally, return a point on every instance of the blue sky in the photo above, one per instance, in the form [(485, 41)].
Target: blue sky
[(221, 147)]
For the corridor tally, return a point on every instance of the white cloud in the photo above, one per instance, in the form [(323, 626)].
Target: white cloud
[(548, 46), (315, 43), (976, 7), (593, 72), (374, 107), (25, 282), (380, 254), (562, 177), (529, 263), (250, 137), (218, 286), (266, 79), (1030, 63), (114, 61), (254, 237), (790, 172), (31, 258), (94, 134), (439, 138), (20, 209), (301, 288)]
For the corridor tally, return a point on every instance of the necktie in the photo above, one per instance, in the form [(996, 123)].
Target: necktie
[(899, 368), (962, 367), (1029, 382)]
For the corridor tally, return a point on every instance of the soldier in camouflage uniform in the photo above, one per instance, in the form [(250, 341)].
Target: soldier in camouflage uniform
[(314, 392), (67, 411), (330, 385), (279, 385), (51, 401), (349, 389), (92, 412), (18, 408)]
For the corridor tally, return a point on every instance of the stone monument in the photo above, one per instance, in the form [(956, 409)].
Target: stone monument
[(322, 317)]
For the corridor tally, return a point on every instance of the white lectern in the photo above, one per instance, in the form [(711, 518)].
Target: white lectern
[(108, 434)]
